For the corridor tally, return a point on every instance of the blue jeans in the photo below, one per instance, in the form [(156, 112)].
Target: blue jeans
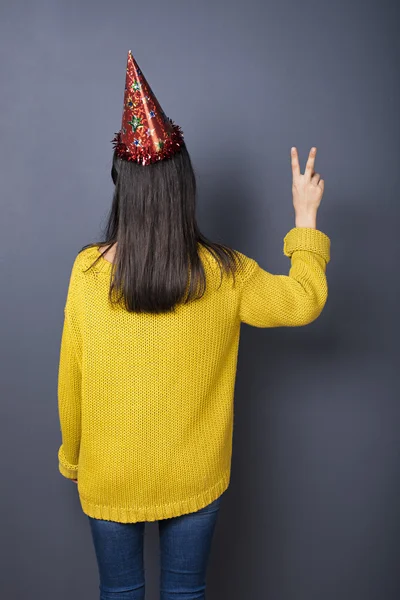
[(185, 543)]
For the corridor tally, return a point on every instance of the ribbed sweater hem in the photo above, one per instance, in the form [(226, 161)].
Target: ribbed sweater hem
[(125, 514)]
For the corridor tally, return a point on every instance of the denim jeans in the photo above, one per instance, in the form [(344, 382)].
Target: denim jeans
[(185, 543)]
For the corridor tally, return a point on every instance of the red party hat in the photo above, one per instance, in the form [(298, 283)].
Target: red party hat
[(147, 135)]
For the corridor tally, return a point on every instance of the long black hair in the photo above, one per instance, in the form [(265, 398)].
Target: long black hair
[(152, 217)]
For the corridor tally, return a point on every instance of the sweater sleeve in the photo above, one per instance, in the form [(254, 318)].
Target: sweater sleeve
[(296, 299), (69, 384)]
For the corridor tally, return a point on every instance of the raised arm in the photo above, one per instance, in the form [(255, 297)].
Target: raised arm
[(269, 300)]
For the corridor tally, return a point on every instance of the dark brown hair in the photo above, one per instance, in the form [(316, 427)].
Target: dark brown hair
[(152, 217)]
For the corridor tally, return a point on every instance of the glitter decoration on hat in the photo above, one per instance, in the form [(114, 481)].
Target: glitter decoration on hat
[(147, 135)]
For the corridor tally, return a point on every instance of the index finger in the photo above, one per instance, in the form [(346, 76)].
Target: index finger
[(295, 162)]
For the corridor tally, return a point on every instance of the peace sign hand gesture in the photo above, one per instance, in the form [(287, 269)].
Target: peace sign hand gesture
[(307, 190)]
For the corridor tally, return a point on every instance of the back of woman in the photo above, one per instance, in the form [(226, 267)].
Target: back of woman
[(150, 344)]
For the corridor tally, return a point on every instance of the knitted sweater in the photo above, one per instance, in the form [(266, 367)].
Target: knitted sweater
[(146, 401)]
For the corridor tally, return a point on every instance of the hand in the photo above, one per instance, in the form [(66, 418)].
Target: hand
[(307, 190), (75, 481)]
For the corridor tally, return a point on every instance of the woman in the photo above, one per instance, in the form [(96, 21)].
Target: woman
[(149, 351)]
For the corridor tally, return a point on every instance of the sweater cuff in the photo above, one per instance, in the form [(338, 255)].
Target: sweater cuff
[(66, 469), (307, 238)]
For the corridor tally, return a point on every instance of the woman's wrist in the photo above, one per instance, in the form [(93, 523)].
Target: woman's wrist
[(306, 221)]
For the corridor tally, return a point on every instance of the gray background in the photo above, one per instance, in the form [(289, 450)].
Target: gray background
[(312, 510)]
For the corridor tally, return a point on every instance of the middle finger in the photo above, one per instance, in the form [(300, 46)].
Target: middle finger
[(310, 162)]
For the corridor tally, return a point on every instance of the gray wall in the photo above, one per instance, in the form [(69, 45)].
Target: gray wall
[(312, 508)]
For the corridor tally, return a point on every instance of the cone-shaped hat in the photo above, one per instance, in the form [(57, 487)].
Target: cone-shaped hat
[(147, 135)]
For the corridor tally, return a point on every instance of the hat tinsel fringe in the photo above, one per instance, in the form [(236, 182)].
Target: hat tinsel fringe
[(146, 155)]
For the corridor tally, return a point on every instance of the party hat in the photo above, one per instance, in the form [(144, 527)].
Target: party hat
[(147, 135)]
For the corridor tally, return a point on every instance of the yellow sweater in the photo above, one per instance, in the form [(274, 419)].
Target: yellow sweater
[(146, 401)]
